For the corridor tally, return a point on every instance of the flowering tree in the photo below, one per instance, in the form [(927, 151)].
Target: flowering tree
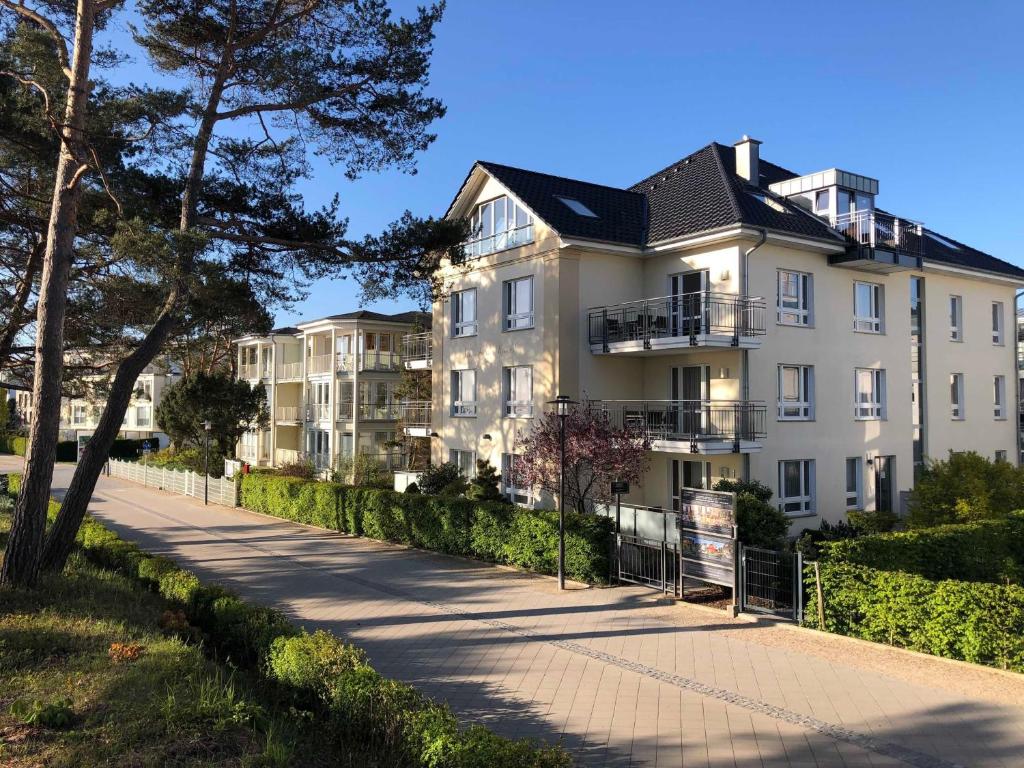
[(596, 453)]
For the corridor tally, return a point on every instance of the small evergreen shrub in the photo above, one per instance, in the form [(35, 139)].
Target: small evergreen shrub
[(439, 478), (760, 523)]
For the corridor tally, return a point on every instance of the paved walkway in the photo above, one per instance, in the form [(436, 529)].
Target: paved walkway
[(619, 676)]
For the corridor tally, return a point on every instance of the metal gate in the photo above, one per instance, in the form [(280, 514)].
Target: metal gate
[(771, 582), (649, 562)]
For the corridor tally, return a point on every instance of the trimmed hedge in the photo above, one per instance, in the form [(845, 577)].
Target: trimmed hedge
[(492, 531), (14, 444), (67, 450), (970, 621), (989, 550), (328, 680)]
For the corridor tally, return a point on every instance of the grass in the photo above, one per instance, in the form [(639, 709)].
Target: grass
[(68, 699)]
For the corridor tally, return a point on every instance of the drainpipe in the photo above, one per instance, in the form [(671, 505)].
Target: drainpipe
[(745, 353)]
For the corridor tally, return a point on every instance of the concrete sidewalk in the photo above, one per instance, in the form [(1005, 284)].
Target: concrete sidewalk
[(619, 676)]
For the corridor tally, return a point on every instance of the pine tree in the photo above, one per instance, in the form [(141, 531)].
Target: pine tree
[(485, 486)]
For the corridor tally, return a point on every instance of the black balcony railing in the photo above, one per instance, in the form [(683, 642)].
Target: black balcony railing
[(685, 317), (692, 421), (880, 230)]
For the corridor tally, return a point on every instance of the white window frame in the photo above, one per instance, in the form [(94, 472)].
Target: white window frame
[(517, 318), (803, 314), (1000, 455), (485, 238), (869, 409), (139, 420), (515, 404), (956, 318), (801, 408), (79, 414), (854, 498), (998, 397), (803, 503), (455, 456), (462, 408), (874, 322), (461, 326), (998, 323), (956, 396), (514, 494)]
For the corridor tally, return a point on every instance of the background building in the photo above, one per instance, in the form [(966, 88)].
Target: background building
[(331, 387), (756, 322)]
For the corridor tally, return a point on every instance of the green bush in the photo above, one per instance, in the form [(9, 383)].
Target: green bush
[(969, 621), (989, 550), (759, 523), (965, 488), (13, 444), (487, 530), (441, 478)]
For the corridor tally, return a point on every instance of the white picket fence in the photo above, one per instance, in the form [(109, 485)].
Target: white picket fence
[(181, 481)]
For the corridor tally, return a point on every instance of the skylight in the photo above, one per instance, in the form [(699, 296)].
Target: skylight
[(577, 207), (771, 203), (942, 240)]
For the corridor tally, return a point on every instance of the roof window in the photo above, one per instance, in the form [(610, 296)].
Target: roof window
[(577, 207), (942, 240)]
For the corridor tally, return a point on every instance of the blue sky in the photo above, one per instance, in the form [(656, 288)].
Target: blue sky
[(927, 97)]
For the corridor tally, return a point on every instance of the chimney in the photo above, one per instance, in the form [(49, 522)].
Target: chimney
[(746, 159)]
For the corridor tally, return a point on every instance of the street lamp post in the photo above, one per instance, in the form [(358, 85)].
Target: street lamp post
[(562, 404), (206, 464)]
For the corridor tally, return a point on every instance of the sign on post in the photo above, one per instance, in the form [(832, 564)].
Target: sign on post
[(620, 486), (706, 523)]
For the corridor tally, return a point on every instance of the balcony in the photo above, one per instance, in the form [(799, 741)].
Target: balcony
[(289, 371), (319, 364), (346, 410), (378, 411), (691, 426), (878, 242), (416, 417), (250, 372), (500, 241), (418, 350), (377, 360), (317, 412), (284, 456), (673, 324), (288, 413)]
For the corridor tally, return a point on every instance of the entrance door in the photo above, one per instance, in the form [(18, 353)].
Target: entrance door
[(688, 474), (686, 308), (885, 482), (689, 394)]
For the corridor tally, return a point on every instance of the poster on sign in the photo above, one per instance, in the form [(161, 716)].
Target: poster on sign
[(706, 523)]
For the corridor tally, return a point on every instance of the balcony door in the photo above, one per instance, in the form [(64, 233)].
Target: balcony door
[(689, 388), (686, 305), (885, 482)]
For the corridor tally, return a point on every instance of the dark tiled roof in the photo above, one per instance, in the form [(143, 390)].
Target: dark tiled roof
[(619, 213), (699, 193), (423, 318), (286, 331)]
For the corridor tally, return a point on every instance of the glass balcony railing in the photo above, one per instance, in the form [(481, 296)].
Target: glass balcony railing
[(499, 241)]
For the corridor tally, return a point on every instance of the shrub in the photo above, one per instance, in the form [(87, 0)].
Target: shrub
[(441, 477), (964, 488), (313, 664), (760, 523), (301, 468), (412, 488), (363, 470), (15, 444)]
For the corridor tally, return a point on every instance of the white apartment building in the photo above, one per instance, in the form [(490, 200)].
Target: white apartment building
[(756, 322), (330, 388)]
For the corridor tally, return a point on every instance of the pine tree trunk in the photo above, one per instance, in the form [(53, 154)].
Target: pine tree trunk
[(24, 546), (61, 538)]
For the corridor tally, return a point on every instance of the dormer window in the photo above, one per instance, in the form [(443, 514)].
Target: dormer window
[(498, 224)]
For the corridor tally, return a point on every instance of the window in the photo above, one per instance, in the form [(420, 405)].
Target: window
[(78, 414), (464, 313), (867, 307), (508, 485), (518, 303), (956, 395), (464, 460), (854, 482), (869, 393), (796, 392), (997, 322), (577, 207), (794, 298), (796, 487), (143, 415), (999, 396), (1000, 455), (498, 224), (916, 305), (518, 391), (956, 318), (821, 200), (464, 393)]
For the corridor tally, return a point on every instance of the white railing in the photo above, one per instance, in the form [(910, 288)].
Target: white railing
[(346, 362), (287, 412), (290, 370), (249, 371), (376, 360), (285, 456), (318, 412), (319, 364), (183, 482)]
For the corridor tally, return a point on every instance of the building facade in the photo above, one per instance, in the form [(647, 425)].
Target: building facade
[(755, 322), (331, 388)]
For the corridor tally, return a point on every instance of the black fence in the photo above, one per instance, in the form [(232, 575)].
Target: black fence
[(688, 420), (771, 582), (650, 562)]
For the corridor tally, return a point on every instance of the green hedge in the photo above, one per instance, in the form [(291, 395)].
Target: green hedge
[(13, 444), (328, 680), (969, 621), (989, 550), (67, 450), (493, 531)]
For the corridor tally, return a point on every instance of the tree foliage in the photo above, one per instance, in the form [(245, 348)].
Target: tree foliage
[(759, 523), (596, 453), (964, 488), (232, 407), (485, 486)]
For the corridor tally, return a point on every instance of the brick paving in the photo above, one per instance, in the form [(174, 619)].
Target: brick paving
[(619, 676)]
